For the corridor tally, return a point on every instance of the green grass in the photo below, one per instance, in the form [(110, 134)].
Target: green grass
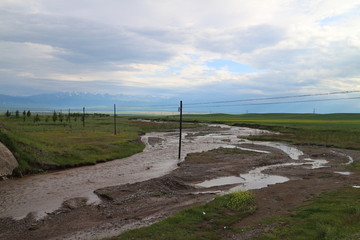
[(45, 145), (339, 130), (207, 221), (333, 215)]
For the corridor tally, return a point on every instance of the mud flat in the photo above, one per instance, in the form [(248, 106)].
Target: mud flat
[(151, 186)]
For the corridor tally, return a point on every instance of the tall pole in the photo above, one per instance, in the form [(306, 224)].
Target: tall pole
[(115, 119), (69, 118), (180, 110), (83, 117)]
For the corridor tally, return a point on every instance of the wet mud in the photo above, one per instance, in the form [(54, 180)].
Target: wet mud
[(158, 184)]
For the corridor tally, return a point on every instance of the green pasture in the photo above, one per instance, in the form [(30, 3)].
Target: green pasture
[(330, 216), (47, 144)]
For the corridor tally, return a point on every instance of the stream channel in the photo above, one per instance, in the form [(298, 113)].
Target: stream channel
[(44, 193)]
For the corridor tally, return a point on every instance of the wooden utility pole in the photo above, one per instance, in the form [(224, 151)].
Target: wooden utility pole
[(180, 110), (115, 119), (69, 118), (83, 117)]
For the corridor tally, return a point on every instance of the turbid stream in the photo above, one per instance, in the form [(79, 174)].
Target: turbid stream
[(41, 194)]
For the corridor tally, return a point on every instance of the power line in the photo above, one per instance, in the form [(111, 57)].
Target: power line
[(170, 107), (273, 98), (289, 102)]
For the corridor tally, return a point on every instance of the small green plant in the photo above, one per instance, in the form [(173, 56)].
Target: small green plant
[(241, 200)]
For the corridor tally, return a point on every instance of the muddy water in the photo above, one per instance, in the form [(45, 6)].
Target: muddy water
[(45, 193), (256, 179)]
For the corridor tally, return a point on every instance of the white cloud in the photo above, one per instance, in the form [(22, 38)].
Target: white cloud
[(299, 45)]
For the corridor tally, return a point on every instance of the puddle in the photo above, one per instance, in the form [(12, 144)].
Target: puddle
[(356, 186), (255, 179), (292, 152), (222, 181), (256, 182), (344, 173), (246, 149), (316, 163)]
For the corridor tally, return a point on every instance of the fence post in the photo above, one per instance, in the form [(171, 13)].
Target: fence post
[(180, 110)]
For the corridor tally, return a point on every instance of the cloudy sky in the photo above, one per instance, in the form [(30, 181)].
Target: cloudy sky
[(201, 50)]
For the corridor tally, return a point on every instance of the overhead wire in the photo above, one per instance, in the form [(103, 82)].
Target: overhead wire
[(170, 107), (272, 98), (289, 102)]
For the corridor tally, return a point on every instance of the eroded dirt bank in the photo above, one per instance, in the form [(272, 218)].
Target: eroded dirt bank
[(137, 204)]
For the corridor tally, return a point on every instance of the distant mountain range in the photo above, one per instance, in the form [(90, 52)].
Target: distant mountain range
[(102, 102)]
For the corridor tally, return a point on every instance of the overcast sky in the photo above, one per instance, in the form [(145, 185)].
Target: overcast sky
[(199, 49)]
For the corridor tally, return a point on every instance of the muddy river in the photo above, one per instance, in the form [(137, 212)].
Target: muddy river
[(42, 194)]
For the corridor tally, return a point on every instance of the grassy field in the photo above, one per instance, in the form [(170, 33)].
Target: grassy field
[(340, 130), (47, 144), (333, 215)]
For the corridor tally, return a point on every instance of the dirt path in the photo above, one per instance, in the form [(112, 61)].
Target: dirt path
[(137, 202)]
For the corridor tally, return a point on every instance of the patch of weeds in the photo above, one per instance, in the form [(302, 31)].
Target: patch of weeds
[(354, 166), (240, 199)]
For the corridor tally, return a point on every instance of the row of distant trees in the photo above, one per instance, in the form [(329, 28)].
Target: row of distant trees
[(56, 116), (17, 113)]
